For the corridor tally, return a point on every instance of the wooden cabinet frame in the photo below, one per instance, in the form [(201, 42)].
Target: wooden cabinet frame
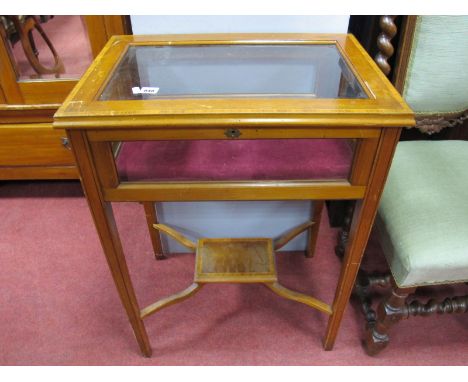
[(34, 103), (93, 125)]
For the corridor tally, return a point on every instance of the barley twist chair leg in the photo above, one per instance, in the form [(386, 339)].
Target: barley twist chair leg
[(390, 311)]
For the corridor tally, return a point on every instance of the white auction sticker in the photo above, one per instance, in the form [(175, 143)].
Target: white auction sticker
[(145, 90)]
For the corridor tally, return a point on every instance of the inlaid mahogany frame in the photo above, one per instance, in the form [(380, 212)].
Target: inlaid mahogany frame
[(93, 125)]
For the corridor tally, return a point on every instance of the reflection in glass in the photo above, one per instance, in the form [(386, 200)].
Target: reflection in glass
[(232, 70), (46, 46), (233, 160)]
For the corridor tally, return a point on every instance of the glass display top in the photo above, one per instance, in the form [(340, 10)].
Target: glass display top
[(226, 71)]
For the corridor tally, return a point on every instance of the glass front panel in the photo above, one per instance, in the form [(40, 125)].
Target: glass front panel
[(234, 160), (47, 47), (249, 70)]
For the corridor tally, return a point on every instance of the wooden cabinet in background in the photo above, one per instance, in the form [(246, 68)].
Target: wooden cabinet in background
[(29, 147)]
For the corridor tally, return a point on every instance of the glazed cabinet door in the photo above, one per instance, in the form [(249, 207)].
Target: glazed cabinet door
[(41, 60)]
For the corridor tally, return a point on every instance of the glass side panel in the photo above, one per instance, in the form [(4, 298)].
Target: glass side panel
[(234, 160), (151, 72), (46, 47)]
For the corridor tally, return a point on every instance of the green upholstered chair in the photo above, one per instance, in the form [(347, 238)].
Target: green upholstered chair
[(422, 220)]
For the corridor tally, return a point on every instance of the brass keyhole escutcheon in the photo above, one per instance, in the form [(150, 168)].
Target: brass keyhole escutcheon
[(232, 133)]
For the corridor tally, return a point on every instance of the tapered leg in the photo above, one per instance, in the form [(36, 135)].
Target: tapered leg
[(363, 218), (105, 225), (152, 218), (314, 229), (391, 310)]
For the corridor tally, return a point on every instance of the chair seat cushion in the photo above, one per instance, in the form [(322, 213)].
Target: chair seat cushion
[(221, 160), (423, 214)]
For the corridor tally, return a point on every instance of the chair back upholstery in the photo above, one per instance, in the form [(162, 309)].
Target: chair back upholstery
[(437, 74)]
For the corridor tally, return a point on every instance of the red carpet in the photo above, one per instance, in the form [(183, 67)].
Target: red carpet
[(58, 305), (214, 159)]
